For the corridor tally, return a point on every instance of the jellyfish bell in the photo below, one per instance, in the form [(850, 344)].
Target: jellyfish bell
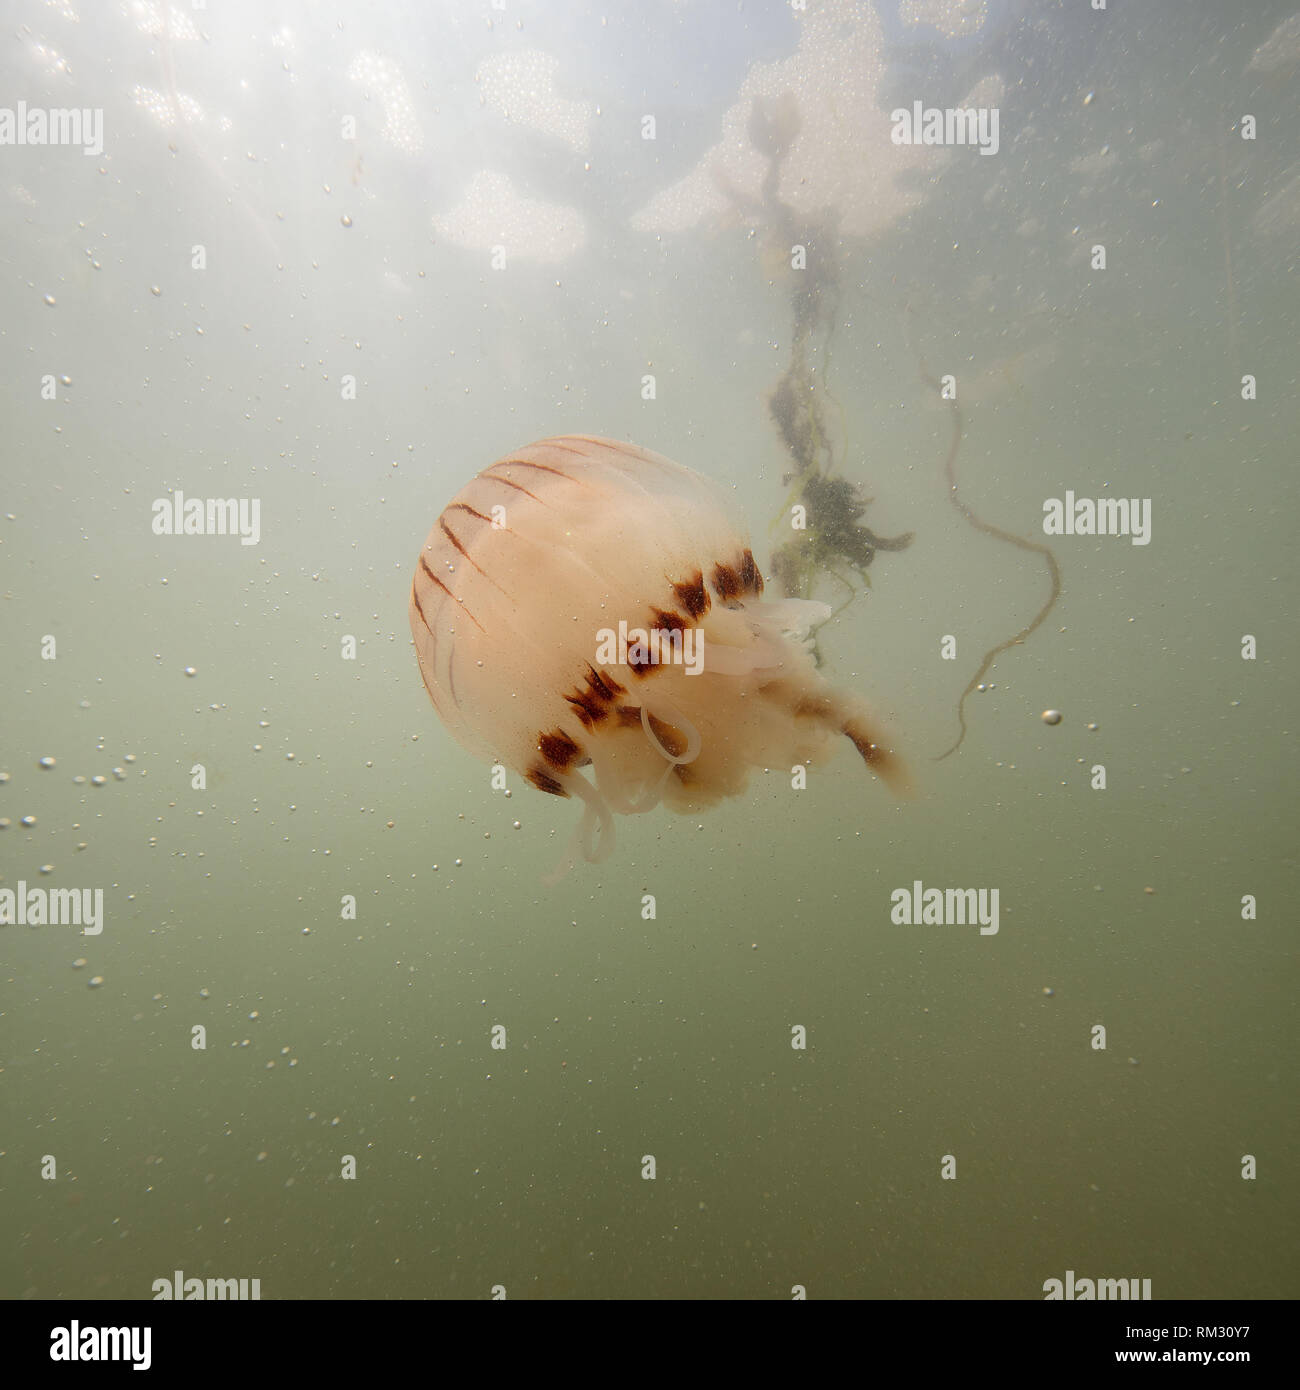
[(584, 603)]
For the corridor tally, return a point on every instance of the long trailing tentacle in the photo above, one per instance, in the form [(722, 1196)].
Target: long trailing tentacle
[(987, 527)]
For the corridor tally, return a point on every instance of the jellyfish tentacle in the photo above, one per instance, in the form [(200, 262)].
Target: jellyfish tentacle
[(594, 835), (665, 712)]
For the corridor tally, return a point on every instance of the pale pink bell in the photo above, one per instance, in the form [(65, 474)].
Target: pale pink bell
[(584, 602)]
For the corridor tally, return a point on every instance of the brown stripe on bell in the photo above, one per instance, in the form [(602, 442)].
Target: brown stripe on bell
[(592, 704), (731, 582), (544, 782), (751, 581), (558, 749), (693, 596)]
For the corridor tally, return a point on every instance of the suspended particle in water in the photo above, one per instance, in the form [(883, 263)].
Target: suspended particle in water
[(46, 763), (94, 982), (190, 671), (1051, 716)]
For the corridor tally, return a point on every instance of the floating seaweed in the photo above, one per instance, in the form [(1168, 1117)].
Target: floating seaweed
[(830, 538)]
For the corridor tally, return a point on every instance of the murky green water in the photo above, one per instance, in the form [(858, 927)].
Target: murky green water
[(426, 240)]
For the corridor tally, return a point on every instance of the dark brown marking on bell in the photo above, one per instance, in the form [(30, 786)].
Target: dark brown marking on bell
[(685, 773), (669, 622), (544, 782), (629, 716), (592, 704), (588, 707), (540, 467), (750, 577), (433, 578), (455, 540), (693, 596), (506, 482), (429, 574), (604, 683), (638, 660), (465, 507), (726, 582), (558, 749), (419, 608)]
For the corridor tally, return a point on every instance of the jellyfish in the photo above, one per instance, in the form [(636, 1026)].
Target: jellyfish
[(586, 604)]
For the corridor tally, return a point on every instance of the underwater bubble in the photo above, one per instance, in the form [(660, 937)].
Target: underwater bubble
[(1052, 716)]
